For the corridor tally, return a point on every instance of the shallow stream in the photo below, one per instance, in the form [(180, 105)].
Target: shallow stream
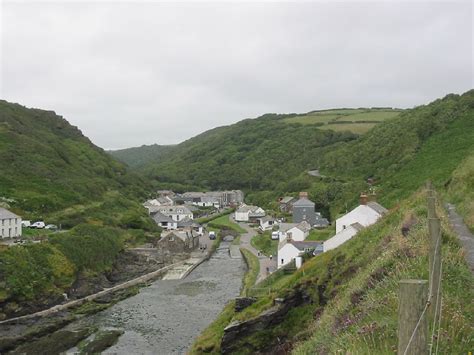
[(167, 316)]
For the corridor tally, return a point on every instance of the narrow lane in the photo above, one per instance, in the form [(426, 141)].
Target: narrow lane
[(267, 266)]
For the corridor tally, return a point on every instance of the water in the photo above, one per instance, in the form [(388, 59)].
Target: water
[(167, 316)]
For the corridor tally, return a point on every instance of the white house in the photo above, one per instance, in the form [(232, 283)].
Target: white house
[(164, 221), (245, 213), (177, 213), (366, 213), (10, 224), (267, 223), (289, 250), (342, 237), (297, 232)]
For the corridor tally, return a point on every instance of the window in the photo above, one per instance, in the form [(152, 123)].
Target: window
[(282, 261), (344, 226)]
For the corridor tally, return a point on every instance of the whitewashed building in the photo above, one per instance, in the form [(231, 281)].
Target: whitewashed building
[(366, 214), (290, 250), (177, 213), (297, 232), (245, 213), (267, 223), (342, 237), (10, 224)]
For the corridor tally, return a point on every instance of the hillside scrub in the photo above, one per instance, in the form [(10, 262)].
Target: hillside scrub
[(353, 291), (460, 190)]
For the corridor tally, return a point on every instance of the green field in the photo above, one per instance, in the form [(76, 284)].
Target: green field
[(265, 244), (329, 119), (223, 222)]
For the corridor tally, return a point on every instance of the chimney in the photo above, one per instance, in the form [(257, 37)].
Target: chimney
[(363, 198), (303, 194)]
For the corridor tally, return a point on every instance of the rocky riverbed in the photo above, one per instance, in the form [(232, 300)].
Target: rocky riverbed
[(169, 314)]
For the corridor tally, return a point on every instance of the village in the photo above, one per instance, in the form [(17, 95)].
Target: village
[(186, 220), (187, 226)]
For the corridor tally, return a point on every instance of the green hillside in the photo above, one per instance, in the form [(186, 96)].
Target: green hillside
[(254, 155), (48, 165), (139, 157), (348, 297), (50, 171), (270, 156), (358, 121)]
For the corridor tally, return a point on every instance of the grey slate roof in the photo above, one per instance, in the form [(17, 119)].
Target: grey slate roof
[(303, 245), (304, 226), (287, 226), (287, 199), (5, 214), (303, 202), (266, 219), (160, 218), (377, 207)]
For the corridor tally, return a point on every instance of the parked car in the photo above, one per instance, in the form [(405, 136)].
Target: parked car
[(38, 225), (212, 235), (52, 227), (25, 223), (275, 235)]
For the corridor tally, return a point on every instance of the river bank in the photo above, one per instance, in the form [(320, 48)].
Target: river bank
[(77, 323)]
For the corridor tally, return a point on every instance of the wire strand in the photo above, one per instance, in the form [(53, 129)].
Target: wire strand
[(416, 327), (437, 306)]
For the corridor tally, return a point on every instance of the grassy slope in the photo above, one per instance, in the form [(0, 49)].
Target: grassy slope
[(357, 121), (265, 244), (354, 292), (138, 157), (50, 170), (253, 154), (48, 165), (460, 190)]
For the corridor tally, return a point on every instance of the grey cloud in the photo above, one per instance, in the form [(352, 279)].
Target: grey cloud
[(132, 73)]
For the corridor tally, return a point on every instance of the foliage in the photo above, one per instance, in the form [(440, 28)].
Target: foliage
[(141, 156), (210, 339), (253, 269), (265, 244), (460, 190), (90, 247), (322, 234), (353, 291), (223, 222), (34, 271), (48, 165)]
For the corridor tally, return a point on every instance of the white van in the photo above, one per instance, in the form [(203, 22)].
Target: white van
[(25, 224), (275, 235), (39, 225), (212, 235)]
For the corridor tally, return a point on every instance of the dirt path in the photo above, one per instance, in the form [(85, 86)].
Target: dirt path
[(466, 238), (265, 262)]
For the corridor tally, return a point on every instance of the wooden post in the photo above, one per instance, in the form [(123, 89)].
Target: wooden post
[(434, 227), (411, 303)]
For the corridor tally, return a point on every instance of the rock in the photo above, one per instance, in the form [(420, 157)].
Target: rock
[(243, 302), (54, 343), (103, 339)]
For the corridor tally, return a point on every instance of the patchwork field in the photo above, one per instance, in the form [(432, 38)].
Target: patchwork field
[(357, 121)]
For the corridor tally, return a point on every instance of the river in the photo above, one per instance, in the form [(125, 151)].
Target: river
[(167, 316)]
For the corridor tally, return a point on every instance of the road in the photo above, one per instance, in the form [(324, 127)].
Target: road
[(265, 262)]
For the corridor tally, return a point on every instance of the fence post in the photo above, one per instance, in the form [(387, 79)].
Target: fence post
[(412, 301), (434, 227)]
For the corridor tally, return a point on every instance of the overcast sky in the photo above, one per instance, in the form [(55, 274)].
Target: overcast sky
[(133, 73)]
